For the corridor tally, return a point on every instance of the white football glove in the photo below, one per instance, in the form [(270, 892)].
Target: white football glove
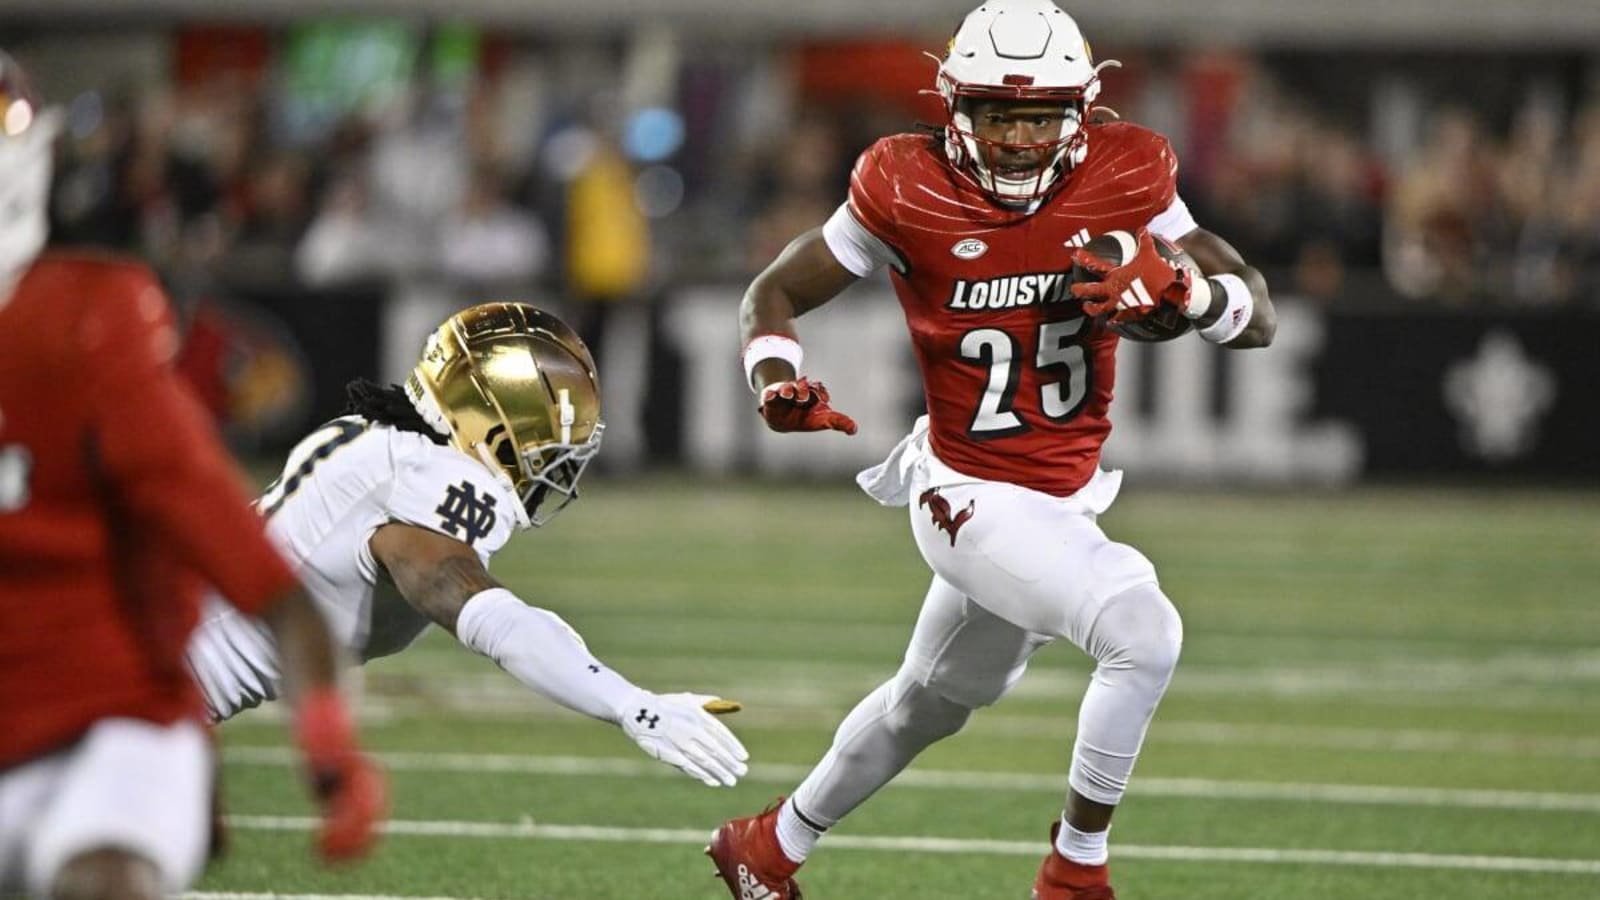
[(676, 729)]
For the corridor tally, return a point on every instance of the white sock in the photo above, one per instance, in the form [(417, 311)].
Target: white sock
[(795, 836), (1087, 848)]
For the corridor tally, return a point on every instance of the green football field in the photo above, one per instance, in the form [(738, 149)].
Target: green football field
[(1389, 693)]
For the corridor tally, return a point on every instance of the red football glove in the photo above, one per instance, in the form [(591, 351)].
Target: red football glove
[(350, 789), (802, 405), (1134, 289)]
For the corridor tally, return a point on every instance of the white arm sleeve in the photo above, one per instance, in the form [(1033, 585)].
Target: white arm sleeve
[(539, 649), (1173, 222), (856, 248)]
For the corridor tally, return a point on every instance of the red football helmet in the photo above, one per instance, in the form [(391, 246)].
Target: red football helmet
[(27, 137)]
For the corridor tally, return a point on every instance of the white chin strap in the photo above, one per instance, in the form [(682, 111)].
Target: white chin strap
[(499, 475)]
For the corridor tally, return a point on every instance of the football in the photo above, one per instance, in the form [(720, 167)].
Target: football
[(1166, 322)]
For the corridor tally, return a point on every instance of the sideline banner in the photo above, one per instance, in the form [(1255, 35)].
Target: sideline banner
[(1444, 393), (1337, 397)]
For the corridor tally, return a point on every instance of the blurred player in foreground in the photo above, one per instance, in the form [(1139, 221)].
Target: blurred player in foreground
[(979, 226), (392, 513), (116, 499)]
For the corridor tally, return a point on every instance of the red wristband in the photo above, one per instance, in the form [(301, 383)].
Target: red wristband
[(322, 725)]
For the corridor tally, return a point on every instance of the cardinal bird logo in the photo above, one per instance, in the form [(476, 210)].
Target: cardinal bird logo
[(939, 508)]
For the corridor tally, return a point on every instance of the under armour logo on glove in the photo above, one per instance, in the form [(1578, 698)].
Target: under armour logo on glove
[(676, 729), (465, 514)]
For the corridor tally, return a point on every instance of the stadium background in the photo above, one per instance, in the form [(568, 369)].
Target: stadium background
[(1383, 530)]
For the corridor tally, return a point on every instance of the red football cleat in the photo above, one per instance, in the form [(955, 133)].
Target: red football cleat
[(749, 860), (1062, 879)]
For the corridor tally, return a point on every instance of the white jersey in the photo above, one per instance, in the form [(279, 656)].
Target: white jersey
[(339, 485)]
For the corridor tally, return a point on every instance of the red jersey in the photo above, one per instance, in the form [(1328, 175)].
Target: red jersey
[(115, 499), (1017, 381)]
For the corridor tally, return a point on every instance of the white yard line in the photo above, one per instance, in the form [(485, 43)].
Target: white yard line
[(814, 716), (819, 700), (1322, 737), (530, 830), (1424, 675), (238, 895), (1512, 682), (1462, 679), (944, 779)]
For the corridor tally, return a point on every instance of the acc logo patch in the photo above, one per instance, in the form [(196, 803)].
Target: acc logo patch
[(971, 248)]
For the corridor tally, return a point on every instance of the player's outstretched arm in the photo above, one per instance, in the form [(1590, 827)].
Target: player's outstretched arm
[(351, 790), (803, 277), (1243, 297), (445, 580)]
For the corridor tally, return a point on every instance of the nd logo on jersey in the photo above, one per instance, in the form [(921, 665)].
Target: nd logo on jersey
[(465, 514), (16, 464)]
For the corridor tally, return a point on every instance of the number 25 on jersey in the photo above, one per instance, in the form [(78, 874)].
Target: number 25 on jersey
[(1061, 362)]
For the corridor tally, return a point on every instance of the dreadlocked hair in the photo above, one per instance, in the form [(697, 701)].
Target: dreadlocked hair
[(387, 406)]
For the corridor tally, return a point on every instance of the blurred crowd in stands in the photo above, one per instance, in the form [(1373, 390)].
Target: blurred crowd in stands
[(1473, 207)]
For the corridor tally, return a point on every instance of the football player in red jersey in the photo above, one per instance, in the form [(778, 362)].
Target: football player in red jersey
[(116, 499), (979, 228)]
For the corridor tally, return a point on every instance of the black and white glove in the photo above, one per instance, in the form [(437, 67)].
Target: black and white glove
[(677, 729)]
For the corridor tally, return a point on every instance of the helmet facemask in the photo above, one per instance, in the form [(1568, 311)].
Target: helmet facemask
[(993, 164), (546, 474)]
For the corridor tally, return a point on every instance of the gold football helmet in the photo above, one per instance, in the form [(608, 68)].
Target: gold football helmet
[(515, 388)]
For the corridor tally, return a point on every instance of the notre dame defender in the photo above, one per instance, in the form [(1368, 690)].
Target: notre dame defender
[(390, 515)]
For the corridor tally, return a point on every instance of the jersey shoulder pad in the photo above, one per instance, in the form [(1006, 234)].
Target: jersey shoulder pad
[(95, 280), (880, 177), (101, 267), (125, 328), (442, 489), (1130, 160), (88, 300)]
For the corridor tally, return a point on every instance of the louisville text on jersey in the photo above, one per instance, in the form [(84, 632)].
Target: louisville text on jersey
[(1011, 291)]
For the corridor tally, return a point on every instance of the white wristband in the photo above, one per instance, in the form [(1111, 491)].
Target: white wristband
[(1235, 315), (770, 346), (1200, 297)]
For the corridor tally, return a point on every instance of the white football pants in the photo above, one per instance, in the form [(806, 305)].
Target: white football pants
[(1023, 569), (128, 784)]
